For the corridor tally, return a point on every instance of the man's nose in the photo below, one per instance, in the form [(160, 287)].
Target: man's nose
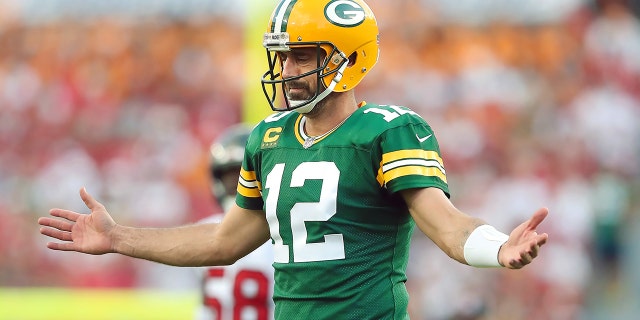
[(289, 68)]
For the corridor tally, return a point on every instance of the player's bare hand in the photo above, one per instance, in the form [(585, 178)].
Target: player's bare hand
[(87, 233), (524, 242)]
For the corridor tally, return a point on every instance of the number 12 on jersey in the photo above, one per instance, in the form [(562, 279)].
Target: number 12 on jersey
[(333, 246)]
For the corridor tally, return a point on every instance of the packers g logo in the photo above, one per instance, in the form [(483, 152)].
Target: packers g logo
[(344, 13)]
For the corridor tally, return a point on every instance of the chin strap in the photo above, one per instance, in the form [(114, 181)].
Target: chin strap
[(311, 104)]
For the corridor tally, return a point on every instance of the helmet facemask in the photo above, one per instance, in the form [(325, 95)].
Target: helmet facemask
[(330, 63)]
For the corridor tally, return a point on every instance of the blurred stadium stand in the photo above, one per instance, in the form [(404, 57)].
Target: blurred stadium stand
[(533, 102)]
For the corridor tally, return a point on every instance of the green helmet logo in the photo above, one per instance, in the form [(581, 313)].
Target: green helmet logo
[(344, 13)]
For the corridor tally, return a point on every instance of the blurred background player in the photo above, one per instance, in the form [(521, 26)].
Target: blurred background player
[(242, 290)]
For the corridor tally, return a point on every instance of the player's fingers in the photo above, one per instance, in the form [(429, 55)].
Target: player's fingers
[(45, 221), (525, 257), (541, 239), (537, 218), (89, 201), (55, 223), (534, 251), (54, 233), (65, 246), (515, 264), (69, 215)]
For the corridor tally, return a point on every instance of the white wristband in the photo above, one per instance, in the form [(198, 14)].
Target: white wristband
[(482, 246)]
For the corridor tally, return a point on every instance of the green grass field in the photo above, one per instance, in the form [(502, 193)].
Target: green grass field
[(85, 304)]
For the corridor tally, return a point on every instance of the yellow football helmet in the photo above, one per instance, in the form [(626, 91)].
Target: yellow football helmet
[(345, 30)]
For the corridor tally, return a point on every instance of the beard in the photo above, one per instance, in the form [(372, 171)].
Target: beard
[(302, 92), (321, 105)]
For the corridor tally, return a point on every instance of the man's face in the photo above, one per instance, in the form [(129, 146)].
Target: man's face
[(294, 63)]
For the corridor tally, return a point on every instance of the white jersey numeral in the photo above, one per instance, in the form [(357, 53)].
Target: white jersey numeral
[(333, 246), (274, 179), (276, 116), (390, 115)]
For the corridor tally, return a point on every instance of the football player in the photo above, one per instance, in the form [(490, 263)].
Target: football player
[(335, 185)]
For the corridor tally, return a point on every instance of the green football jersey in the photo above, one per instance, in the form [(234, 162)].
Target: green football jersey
[(339, 227)]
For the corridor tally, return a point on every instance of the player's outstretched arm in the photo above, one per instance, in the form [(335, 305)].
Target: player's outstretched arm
[(470, 240), (524, 242), (191, 245)]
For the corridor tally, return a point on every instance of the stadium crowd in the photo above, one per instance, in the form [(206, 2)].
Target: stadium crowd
[(527, 114)]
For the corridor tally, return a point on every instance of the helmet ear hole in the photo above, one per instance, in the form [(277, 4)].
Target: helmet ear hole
[(352, 58)]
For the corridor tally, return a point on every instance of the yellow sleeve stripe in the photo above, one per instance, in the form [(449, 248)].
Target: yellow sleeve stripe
[(410, 154), (247, 175), (413, 162), (414, 170), (380, 177), (248, 186), (248, 192), (410, 162)]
